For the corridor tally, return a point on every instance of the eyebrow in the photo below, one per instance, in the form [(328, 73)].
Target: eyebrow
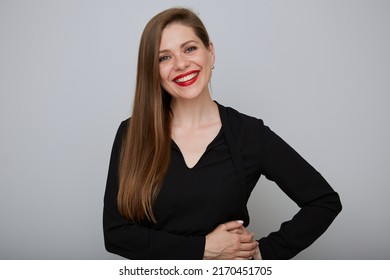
[(181, 46)]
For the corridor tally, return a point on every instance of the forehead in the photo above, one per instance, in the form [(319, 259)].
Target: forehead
[(175, 34)]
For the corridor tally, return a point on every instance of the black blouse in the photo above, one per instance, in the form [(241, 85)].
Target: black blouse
[(193, 201)]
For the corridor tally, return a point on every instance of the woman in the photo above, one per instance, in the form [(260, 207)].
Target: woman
[(183, 166)]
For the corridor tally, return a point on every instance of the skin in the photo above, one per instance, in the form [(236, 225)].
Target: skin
[(196, 122)]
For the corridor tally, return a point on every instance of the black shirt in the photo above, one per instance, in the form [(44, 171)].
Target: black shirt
[(193, 201)]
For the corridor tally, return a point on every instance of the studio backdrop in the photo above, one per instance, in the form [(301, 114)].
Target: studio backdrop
[(317, 72)]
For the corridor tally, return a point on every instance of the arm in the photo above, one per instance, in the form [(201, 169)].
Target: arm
[(319, 203), (135, 241)]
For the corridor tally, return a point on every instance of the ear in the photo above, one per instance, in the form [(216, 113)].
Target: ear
[(212, 52)]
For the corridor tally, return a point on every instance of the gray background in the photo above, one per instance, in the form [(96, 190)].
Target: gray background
[(317, 72)]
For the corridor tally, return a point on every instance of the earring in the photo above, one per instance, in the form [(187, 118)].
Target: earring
[(212, 66)]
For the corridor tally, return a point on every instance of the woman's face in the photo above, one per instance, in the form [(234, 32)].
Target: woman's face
[(185, 63)]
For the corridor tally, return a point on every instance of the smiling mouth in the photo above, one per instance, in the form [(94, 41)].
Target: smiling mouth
[(186, 79)]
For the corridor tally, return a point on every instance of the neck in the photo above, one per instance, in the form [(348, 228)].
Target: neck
[(194, 113)]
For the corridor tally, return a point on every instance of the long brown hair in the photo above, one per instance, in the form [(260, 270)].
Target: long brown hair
[(145, 153)]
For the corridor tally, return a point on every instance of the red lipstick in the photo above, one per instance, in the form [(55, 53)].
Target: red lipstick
[(187, 79)]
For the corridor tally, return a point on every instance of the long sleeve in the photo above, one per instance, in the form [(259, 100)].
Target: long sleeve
[(134, 241), (319, 203)]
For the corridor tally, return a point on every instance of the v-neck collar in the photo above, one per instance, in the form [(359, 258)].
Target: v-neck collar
[(210, 146)]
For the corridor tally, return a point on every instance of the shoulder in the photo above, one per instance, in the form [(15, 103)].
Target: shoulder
[(242, 125), (123, 125), (248, 133), (121, 132)]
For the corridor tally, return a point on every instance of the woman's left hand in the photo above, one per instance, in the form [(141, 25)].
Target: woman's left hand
[(243, 230)]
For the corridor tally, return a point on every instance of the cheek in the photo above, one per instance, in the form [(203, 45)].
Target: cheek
[(206, 62), (164, 74), (164, 78), (161, 73), (207, 66)]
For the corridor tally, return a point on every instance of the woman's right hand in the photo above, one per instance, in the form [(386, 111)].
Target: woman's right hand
[(230, 241)]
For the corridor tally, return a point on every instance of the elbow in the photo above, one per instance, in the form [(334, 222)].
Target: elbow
[(111, 246), (331, 203), (337, 206), (110, 237), (107, 242)]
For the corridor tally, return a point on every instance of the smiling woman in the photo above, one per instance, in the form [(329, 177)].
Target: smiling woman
[(183, 166), (185, 61)]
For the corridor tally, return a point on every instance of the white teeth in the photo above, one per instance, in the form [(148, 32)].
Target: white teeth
[(187, 78)]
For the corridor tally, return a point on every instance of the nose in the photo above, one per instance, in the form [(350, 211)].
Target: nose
[(181, 62)]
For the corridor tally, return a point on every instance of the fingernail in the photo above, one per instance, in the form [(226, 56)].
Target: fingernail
[(240, 221)]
